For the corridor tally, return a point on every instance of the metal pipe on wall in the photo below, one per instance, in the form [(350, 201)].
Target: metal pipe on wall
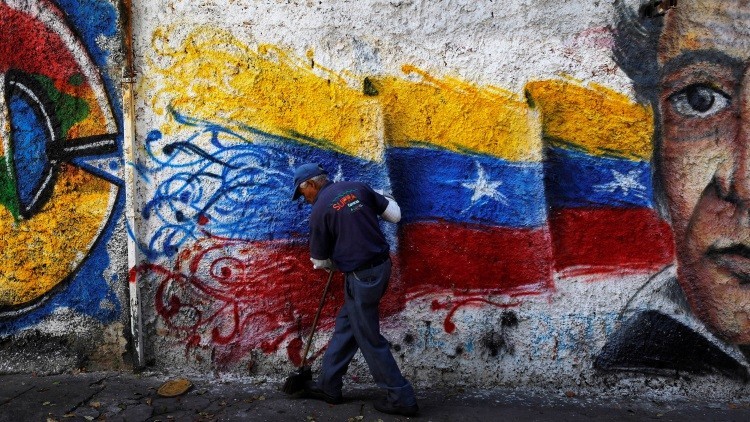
[(128, 115)]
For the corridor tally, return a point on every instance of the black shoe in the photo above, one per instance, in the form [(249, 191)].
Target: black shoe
[(312, 391), (395, 409)]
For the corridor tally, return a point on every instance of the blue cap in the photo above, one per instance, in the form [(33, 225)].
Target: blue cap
[(305, 172)]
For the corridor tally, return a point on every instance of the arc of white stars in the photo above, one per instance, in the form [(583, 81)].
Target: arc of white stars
[(484, 187)]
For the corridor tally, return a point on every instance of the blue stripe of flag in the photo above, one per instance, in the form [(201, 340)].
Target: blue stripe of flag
[(435, 184), (577, 179)]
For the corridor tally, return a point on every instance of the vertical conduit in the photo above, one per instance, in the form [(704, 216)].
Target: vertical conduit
[(128, 115)]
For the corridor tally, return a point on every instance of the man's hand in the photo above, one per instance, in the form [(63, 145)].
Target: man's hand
[(323, 264)]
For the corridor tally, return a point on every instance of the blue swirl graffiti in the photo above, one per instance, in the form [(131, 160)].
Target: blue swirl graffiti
[(219, 182)]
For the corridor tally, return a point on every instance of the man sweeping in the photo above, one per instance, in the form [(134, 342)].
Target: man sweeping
[(345, 235)]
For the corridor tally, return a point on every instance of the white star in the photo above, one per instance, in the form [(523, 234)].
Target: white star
[(484, 187), (625, 182)]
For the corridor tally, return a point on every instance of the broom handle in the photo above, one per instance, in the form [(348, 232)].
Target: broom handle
[(317, 315)]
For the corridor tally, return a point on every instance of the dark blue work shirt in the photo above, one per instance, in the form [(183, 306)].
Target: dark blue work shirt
[(344, 225)]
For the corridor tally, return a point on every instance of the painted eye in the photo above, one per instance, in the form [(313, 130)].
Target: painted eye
[(699, 101)]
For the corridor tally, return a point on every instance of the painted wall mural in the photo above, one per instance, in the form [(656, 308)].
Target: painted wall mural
[(476, 170), (576, 208), (691, 66), (58, 173)]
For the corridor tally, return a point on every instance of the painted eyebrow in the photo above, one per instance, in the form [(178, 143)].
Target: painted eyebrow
[(690, 57)]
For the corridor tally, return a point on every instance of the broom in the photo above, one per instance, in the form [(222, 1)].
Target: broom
[(295, 382)]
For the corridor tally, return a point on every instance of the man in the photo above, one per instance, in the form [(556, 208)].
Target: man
[(692, 65), (345, 234)]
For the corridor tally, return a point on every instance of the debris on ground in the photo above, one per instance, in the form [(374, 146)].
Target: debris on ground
[(175, 387)]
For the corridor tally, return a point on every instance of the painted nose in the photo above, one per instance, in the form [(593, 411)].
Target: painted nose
[(733, 174)]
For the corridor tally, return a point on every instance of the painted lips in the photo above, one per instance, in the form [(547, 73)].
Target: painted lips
[(734, 259)]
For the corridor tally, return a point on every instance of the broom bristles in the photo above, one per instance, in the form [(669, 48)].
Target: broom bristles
[(295, 382)]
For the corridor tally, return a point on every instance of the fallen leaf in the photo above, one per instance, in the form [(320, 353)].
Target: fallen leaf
[(47, 403), (95, 404), (175, 387), (88, 418)]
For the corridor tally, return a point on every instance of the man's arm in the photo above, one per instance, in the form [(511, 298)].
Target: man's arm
[(320, 242), (392, 213)]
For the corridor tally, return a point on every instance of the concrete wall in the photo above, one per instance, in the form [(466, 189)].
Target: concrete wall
[(549, 181)]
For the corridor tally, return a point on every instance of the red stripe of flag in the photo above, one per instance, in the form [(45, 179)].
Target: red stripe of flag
[(474, 259), (603, 240)]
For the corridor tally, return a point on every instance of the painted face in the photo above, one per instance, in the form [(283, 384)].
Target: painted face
[(704, 53)]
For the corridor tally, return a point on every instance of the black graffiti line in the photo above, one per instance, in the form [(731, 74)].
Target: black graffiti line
[(221, 193), (192, 148), (152, 204), (82, 147)]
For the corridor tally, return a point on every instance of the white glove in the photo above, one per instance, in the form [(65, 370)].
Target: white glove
[(323, 264)]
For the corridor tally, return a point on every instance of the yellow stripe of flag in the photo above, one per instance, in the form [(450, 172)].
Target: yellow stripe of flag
[(458, 116), (213, 76), (596, 119)]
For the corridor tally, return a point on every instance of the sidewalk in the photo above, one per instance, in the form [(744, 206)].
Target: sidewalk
[(128, 397)]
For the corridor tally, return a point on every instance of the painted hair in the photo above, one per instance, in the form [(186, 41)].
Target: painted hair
[(636, 42)]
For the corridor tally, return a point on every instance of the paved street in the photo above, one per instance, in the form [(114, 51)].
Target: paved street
[(130, 397)]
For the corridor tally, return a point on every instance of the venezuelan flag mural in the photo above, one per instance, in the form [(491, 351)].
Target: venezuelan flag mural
[(598, 180), (500, 192), (59, 191), (465, 164)]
